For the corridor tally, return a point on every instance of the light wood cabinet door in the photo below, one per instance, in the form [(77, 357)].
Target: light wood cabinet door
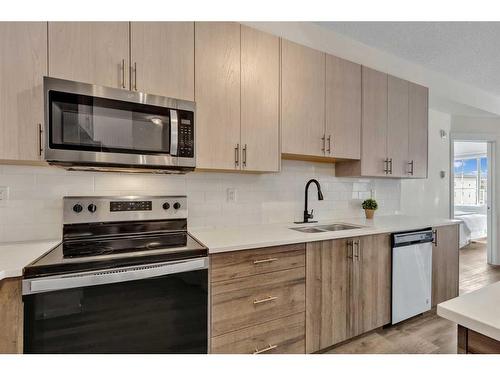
[(418, 129), (343, 108), (11, 316), (260, 83), (302, 100), (327, 289), (445, 264), (162, 58), (23, 63), (374, 123), (91, 52), (370, 296), (217, 95), (397, 126)]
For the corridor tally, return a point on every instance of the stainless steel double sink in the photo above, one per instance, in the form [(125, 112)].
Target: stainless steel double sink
[(326, 228)]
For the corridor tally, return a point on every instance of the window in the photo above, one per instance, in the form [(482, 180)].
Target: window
[(471, 180)]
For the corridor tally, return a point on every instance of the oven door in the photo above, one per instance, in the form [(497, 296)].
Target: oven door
[(95, 125), (157, 308)]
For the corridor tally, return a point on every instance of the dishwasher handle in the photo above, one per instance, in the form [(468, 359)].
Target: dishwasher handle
[(413, 238), (111, 276)]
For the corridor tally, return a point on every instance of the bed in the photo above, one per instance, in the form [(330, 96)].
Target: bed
[(474, 223)]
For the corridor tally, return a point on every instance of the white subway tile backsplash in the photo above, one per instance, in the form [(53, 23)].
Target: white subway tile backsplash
[(34, 209)]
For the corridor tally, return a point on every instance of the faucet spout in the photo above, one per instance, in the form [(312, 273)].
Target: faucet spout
[(309, 215)]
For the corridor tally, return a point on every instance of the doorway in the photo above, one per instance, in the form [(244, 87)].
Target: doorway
[(472, 184)]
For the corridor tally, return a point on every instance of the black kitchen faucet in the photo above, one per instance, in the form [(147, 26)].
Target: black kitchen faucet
[(309, 215)]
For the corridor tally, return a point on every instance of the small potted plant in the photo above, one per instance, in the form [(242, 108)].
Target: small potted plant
[(369, 205)]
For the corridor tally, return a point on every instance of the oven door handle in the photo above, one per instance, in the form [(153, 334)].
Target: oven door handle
[(110, 276)]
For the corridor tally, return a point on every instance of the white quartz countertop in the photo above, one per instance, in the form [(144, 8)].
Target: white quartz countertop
[(14, 256), (478, 310), (264, 235)]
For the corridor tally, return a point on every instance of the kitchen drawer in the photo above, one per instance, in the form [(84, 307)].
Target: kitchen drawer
[(252, 300), (280, 336), (243, 263)]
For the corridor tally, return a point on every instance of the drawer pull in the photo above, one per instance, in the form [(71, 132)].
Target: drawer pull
[(268, 299), (264, 260), (266, 349)]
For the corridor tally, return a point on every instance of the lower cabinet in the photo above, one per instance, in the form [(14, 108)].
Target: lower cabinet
[(348, 289), (445, 266), (258, 301), (11, 316)]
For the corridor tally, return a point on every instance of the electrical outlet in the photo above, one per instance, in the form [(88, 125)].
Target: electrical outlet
[(231, 195), (4, 194)]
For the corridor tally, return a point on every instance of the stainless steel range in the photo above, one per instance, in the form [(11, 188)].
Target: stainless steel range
[(127, 278)]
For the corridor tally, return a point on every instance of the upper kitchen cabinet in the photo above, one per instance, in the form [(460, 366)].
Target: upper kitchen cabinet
[(393, 129), (343, 108), (162, 58), (374, 161), (217, 94), (91, 52), (237, 98), (418, 130), (302, 101), (23, 63), (397, 126), (260, 79)]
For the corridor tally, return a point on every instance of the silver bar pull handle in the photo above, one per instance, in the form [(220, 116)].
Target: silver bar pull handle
[(237, 155), (350, 249), (135, 76), (268, 260), (435, 239), (264, 300), (245, 155), (390, 166), (266, 349), (323, 139), (123, 73), (40, 139), (329, 150), (356, 253), (386, 165), (412, 166)]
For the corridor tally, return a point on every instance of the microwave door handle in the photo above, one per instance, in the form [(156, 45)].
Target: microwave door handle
[(174, 132)]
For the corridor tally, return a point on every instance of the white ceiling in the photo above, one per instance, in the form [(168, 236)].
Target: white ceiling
[(469, 148), (467, 51)]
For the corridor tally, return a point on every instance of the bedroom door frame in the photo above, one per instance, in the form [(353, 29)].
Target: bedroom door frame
[(492, 227)]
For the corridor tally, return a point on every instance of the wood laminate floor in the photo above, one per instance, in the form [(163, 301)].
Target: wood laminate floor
[(428, 333)]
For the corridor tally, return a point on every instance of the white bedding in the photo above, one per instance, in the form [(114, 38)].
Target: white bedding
[(473, 227)]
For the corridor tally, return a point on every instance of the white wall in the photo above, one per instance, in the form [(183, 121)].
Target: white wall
[(34, 210), (431, 196)]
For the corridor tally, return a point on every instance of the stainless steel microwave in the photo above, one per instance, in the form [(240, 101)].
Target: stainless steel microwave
[(89, 127)]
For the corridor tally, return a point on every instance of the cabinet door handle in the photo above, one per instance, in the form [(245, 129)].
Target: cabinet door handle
[(266, 349), (245, 155), (323, 138), (329, 144), (264, 300), (386, 166), (123, 73), (435, 239), (237, 155), (412, 165), (390, 165), (356, 253), (40, 139), (135, 76), (268, 260), (350, 249)]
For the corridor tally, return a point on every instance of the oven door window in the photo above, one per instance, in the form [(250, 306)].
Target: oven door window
[(81, 122), (166, 314)]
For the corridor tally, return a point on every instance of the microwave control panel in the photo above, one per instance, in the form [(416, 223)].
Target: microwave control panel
[(185, 146)]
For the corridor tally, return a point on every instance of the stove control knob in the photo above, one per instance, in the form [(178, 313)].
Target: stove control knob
[(166, 206), (77, 208), (177, 205), (92, 207)]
